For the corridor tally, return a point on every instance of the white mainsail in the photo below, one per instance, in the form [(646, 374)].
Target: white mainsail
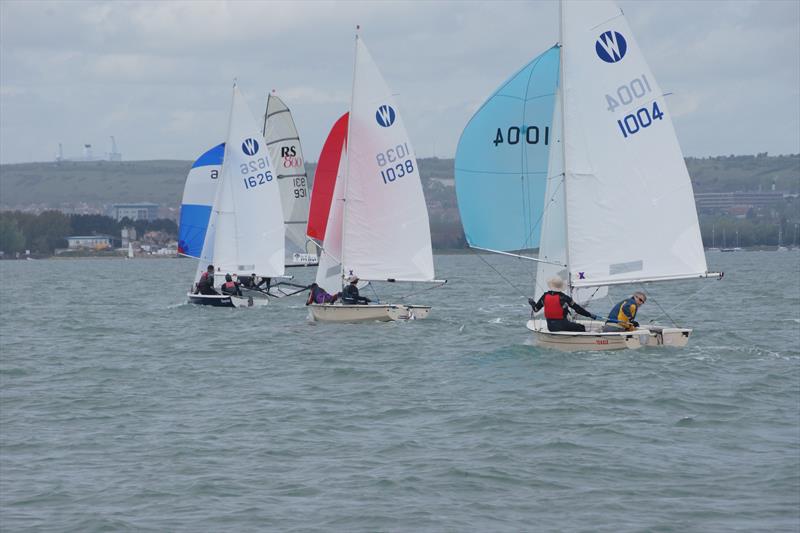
[(630, 209), (245, 232), (286, 155), (386, 232)]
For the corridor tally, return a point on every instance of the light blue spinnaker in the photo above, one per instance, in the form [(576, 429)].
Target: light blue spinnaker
[(501, 159), (198, 197)]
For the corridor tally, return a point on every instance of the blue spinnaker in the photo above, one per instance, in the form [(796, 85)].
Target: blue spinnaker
[(198, 198), (501, 159)]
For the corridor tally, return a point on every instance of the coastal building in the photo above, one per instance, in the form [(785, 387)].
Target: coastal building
[(96, 242), (141, 211), (713, 202)]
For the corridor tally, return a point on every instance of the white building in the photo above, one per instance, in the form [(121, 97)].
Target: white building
[(142, 211), (90, 241)]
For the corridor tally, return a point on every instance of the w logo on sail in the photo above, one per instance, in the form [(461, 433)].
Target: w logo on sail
[(250, 146), (385, 115), (611, 47)]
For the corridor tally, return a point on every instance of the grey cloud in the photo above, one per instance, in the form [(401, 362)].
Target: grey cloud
[(157, 75)]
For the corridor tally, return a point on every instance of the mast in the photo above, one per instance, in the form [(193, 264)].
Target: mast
[(347, 162), (266, 112), (562, 104)]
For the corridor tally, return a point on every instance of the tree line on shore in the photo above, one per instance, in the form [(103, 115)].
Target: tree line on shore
[(42, 234), (47, 231)]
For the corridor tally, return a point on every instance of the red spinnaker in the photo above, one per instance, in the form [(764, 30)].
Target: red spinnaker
[(325, 179)]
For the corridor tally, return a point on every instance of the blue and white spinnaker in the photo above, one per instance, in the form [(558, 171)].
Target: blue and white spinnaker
[(501, 159)]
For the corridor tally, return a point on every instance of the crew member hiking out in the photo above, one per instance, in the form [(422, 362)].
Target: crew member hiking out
[(318, 295), (555, 305)]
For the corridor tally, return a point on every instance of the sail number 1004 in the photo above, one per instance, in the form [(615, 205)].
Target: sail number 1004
[(528, 135), (642, 118)]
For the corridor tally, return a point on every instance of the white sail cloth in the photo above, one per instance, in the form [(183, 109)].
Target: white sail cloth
[(286, 155), (386, 229), (246, 232), (629, 202)]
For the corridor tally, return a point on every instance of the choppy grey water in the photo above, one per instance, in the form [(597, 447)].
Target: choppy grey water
[(122, 408)]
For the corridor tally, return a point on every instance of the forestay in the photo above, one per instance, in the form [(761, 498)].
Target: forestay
[(386, 229), (502, 156), (286, 154), (630, 208), (198, 197), (246, 231)]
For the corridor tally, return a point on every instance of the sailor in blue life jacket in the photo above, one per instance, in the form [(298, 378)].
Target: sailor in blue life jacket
[(231, 287), (205, 285), (623, 313), (555, 305), (350, 293)]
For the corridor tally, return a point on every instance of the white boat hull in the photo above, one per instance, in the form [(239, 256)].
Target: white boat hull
[(594, 339), (366, 313)]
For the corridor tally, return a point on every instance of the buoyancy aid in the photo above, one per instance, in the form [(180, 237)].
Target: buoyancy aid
[(624, 313), (553, 310), (229, 285)]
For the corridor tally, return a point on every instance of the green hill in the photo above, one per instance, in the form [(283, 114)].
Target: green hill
[(105, 182)]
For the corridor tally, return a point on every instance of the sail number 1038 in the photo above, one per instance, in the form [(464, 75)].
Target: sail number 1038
[(398, 162)]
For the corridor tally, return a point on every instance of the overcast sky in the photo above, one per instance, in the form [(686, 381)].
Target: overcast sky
[(158, 75)]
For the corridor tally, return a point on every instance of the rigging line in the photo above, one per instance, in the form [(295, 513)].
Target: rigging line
[(659, 306), (403, 297), (707, 285), (545, 207), (375, 293), (499, 274)]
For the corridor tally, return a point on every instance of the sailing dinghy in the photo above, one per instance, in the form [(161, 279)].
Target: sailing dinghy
[(368, 207), (579, 151), (283, 142), (245, 230)]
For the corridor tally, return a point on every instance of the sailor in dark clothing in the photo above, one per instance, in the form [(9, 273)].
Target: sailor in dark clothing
[(555, 305), (231, 287), (350, 293), (255, 283), (206, 283)]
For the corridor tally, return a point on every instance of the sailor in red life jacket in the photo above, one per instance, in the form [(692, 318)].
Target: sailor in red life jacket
[(206, 283), (555, 305), (231, 287)]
